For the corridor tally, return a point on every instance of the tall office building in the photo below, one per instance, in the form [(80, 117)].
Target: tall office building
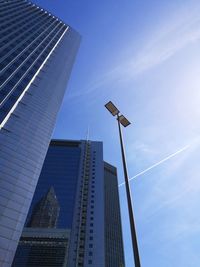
[(87, 192), (114, 253), (43, 247), (37, 51), (46, 211)]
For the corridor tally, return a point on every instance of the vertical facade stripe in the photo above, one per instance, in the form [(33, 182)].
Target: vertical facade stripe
[(27, 87)]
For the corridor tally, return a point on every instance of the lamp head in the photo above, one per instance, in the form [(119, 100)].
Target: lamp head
[(123, 120), (112, 108)]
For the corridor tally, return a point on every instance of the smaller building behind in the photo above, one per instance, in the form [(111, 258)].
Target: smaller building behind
[(114, 252), (42, 247), (74, 219)]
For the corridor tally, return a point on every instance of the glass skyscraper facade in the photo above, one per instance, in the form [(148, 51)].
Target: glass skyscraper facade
[(86, 191), (42, 247), (60, 171), (46, 211), (114, 253), (37, 51)]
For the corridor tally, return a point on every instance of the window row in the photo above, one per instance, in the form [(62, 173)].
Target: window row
[(27, 59), (26, 79), (25, 38), (17, 28), (13, 11)]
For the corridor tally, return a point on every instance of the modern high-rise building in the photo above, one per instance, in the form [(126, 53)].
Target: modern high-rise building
[(42, 247), (85, 189), (114, 253), (42, 244), (37, 51), (46, 211)]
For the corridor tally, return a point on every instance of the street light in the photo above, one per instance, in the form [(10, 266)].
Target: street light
[(123, 121)]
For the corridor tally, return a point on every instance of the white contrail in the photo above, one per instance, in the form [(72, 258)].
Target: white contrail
[(158, 163)]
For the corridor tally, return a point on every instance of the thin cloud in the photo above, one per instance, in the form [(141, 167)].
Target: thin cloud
[(158, 163), (187, 183), (175, 33)]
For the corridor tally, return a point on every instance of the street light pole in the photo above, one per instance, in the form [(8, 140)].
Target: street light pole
[(122, 120), (128, 194)]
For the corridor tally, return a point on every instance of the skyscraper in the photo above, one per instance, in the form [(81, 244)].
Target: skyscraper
[(37, 51), (46, 211), (114, 253), (42, 247), (86, 190)]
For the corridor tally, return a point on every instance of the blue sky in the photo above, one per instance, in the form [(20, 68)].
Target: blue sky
[(145, 57)]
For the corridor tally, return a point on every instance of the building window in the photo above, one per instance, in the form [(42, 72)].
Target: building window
[(90, 253)]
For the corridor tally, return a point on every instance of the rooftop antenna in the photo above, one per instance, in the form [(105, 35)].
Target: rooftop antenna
[(88, 133)]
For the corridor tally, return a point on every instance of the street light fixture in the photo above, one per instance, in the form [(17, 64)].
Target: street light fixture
[(122, 120)]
